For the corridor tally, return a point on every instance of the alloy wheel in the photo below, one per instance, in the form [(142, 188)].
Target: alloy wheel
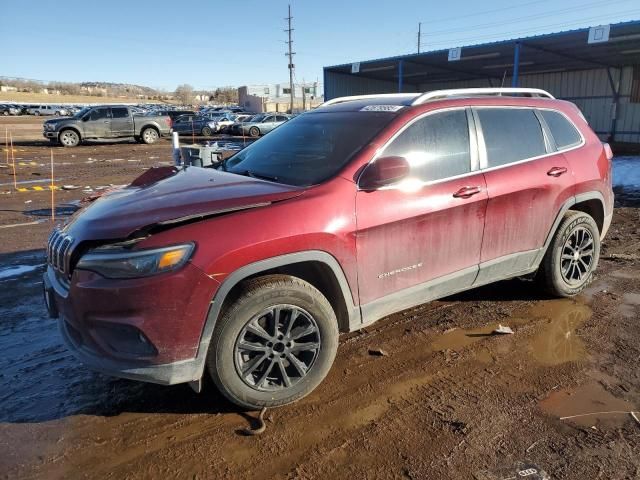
[(577, 256), (277, 348)]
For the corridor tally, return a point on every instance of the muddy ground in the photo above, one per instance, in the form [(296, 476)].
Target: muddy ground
[(448, 400)]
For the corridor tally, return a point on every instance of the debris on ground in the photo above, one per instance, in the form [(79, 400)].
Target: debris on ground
[(378, 352), (503, 330), (261, 425)]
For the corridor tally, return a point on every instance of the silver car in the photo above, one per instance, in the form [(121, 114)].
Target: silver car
[(262, 124)]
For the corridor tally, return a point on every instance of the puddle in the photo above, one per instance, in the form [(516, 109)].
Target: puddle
[(459, 338), (558, 343), (589, 405), (16, 270)]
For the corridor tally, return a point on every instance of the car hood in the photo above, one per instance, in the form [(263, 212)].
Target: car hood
[(167, 195)]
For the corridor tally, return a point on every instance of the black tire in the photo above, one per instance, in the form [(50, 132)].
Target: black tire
[(572, 257), (149, 135), (254, 132), (37, 114), (206, 131), (257, 302), (69, 138)]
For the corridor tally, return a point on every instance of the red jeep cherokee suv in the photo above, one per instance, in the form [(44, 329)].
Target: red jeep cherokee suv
[(363, 207)]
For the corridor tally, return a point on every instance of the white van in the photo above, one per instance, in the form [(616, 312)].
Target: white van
[(43, 110)]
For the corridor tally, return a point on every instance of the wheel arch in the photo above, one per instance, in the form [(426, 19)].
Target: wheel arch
[(318, 268), (591, 203)]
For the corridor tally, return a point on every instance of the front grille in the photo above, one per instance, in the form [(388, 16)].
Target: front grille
[(59, 249)]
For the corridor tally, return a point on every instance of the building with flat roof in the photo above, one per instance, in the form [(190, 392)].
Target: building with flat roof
[(276, 97), (597, 68)]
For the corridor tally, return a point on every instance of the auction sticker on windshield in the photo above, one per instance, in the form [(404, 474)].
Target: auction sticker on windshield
[(381, 108)]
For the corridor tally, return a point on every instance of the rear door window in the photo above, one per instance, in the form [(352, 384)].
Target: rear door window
[(562, 130), (119, 112), (436, 146), (511, 135)]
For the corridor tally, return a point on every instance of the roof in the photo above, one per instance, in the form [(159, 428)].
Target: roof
[(554, 52)]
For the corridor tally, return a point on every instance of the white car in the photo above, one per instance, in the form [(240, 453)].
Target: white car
[(221, 123)]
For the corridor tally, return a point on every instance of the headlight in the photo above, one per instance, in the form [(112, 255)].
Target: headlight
[(141, 263)]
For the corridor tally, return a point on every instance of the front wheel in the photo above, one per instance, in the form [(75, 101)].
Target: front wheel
[(206, 131), (69, 138), (274, 344), (568, 265), (254, 132), (149, 135)]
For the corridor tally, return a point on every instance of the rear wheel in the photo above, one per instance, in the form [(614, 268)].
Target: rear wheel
[(274, 344), (206, 131), (568, 265), (69, 138), (149, 135), (254, 132)]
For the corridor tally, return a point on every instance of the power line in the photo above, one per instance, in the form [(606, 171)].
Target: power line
[(485, 12), (521, 19), (536, 29)]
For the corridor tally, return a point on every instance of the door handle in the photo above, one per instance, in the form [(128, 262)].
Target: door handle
[(466, 192), (557, 171)]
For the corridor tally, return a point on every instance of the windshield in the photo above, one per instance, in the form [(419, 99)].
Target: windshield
[(82, 112), (310, 148)]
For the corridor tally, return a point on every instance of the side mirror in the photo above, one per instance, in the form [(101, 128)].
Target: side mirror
[(383, 171)]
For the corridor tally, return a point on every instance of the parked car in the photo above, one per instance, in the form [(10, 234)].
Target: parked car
[(6, 109), (235, 127), (173, 114), (106, 122), (42, 110), (221, 123), (193, 125), (262, 124), (360, 208)]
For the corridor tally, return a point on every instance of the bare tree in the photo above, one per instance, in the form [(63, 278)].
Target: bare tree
[(184, 93)]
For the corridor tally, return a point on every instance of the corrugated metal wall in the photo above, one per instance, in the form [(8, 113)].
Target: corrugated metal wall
[(589, 89)]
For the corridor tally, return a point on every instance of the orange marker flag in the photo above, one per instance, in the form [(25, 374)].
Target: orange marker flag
[(13, 162), (53, 214)]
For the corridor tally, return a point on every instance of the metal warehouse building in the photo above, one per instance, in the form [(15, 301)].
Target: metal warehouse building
[(597, 68)]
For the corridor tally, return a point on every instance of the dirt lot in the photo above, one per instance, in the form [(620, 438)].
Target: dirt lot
[(448, 400)]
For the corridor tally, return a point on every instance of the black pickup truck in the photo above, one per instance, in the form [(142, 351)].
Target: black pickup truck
[(106, 122)]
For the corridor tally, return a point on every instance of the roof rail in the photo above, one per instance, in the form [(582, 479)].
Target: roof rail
[(438, 94), (364, 97)]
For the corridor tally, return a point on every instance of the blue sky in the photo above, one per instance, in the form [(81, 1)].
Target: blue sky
[(209, 43)]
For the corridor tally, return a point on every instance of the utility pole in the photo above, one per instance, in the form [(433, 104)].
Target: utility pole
[(419, 35), (290, 54)]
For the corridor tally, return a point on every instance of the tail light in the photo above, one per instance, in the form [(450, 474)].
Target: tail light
[(608, 151)]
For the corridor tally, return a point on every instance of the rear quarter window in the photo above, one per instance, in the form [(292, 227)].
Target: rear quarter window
[(511, 135), (562, 130)]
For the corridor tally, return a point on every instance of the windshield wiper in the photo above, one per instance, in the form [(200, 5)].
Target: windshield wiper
[(261, 176)]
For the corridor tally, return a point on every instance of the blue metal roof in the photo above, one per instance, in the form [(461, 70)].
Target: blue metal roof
[(616, 27)]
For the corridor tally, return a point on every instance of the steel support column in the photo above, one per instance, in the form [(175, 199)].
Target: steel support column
[(400, 66), (615, 90), (516, 65)]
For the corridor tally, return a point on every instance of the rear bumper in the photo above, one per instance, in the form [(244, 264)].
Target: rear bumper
[(605, 225)]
